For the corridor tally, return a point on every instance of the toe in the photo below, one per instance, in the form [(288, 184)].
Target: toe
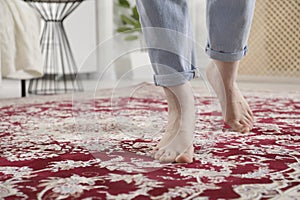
[(158, 154), (246, 126), (249, 117), (236, 126), (247, 122), (186, 157), (250, 113), (168, 157)]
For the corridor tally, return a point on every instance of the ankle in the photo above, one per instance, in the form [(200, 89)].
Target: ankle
[(229, 84), (228, 71)]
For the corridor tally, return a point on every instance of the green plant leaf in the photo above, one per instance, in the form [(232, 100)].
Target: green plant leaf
[(135, 14), (126, 29), (131, 38), (138, 26), (131, 22), (124, 3), (128, 20), (123, 29)]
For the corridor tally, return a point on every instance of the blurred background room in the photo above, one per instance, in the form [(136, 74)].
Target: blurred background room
[(80, 116), (104, 54)]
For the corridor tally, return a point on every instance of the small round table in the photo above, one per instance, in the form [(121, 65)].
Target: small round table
[(60, 68)]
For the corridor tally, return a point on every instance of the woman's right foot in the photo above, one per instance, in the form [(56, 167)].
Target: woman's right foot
[(176, 144), (235, 109)]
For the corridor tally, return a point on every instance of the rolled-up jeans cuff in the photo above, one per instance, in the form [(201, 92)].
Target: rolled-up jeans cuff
[(174, 79), (226, 56)]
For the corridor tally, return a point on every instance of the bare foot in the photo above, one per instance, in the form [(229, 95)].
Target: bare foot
[(176, 144), (235, 109)]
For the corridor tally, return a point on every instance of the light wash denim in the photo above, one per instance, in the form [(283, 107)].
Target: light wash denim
[(169, 36)]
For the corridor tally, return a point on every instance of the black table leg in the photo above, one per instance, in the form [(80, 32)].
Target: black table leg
[(23, 88)]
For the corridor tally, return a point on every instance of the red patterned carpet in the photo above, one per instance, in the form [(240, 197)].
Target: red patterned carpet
[(101, 153)]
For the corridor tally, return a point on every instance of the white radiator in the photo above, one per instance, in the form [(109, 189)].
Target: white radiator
[(274, 44)]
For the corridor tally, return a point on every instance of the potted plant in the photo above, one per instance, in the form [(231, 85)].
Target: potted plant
[(127, 22), (130, 21)]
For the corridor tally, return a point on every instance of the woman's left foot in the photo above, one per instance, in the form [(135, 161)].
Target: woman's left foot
[(236, 111)]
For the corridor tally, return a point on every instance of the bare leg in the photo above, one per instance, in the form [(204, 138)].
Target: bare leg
[(168, 32), (236, 111), (229, 24), (177, 143)]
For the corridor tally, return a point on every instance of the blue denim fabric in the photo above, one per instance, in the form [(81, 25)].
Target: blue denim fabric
[(169, 36)]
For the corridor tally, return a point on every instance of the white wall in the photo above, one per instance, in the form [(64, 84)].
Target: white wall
[(105, 30), (104, 20), (198, 15), (81, 29)]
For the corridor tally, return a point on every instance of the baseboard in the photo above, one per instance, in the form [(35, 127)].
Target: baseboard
[(269, 79)]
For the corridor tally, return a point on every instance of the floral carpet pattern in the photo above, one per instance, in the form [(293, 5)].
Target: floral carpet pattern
[(97, 148)]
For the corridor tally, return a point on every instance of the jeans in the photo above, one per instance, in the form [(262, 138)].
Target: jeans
[(169, 37)]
